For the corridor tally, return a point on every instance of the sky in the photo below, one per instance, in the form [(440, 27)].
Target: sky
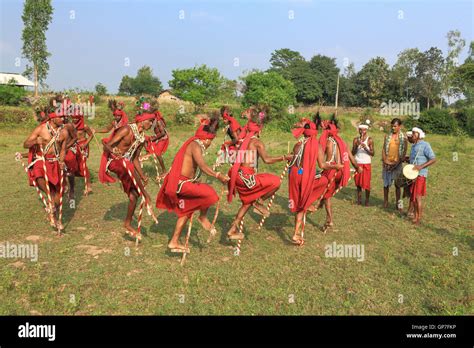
[(93, 41)]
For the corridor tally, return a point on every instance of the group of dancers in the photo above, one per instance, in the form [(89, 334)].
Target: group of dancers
[(317, 168)]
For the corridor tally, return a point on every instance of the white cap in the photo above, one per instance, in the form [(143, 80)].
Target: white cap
[(363, 126), (419, 131)]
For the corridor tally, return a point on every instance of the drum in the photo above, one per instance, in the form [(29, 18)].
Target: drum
[(410, 172)]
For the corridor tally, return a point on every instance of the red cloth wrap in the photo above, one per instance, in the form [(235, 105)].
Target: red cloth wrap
[(418, 188), (265, 183), (233, 123), (117, 167), (333, 132), (329, 174), (78, 121), (103, 176), (318, 186), (251, 128), (158, 147), (167, 198), (143, 117), (192, 197), (52, 168), (362, 180), (302, 187)]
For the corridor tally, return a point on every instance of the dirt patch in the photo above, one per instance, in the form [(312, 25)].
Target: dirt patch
[(93, 250)]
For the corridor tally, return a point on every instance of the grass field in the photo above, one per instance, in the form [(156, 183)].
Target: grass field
[(94, 270)]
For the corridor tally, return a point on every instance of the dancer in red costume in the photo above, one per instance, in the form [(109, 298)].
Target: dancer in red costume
[(305, 186), (180, 192), (253, 188)]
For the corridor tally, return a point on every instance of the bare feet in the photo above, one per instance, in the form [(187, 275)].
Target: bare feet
[(130, 230), (234, 233), (176, 247), (259, 208), (312, 208), (87, 190)]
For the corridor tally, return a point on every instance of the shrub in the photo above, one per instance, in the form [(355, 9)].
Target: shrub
[(184, 118), (438, 121), (11, 95), (465, 119)]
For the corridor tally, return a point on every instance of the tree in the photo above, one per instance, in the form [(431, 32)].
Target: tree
[(403, 80), (371, 81), (199, 85), (348, 95), (100, 89), (428, 73), (326, 71), (282, 59), (143, 83), (37, 15), (455, 44), (126, 85), (269, 89), (464, 77)]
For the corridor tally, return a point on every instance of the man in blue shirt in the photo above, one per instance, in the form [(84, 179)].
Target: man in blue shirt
[(422, 156)]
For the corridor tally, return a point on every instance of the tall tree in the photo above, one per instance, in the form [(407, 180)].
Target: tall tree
[(455, 45), (371, 81), (428, 72), (281, 60), (464, 77), (270, 89), (37, 15), (403, 81), (325, 71), (143, 83), (199, 85)]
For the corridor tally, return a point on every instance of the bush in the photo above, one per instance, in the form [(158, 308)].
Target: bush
[(465, 119), (438, 121), (11, 95), (15, 116), (184, 118)]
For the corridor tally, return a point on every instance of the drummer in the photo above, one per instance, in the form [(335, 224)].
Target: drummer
[(421, 156)]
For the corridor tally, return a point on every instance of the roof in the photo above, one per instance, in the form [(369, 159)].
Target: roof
[(20, 80)]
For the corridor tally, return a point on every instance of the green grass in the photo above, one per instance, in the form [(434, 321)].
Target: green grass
[(88, 272)]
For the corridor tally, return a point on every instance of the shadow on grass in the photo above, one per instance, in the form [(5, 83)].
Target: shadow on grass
[(68, 212)]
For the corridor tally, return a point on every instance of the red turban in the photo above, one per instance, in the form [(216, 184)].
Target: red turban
[(143, 117)]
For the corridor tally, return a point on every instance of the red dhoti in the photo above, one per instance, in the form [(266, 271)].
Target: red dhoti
[(52, 169), (294, 187), (192, 196), (158, 147), (418, 188), (116, 166), (362, 180), (334, 184), (264, 183)]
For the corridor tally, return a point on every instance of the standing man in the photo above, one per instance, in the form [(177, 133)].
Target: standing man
[(253, 188), (422, 156), (393, 152), (181, 192), (363, 151)]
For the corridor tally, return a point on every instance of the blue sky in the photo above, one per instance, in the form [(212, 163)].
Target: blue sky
[(94, 45)]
